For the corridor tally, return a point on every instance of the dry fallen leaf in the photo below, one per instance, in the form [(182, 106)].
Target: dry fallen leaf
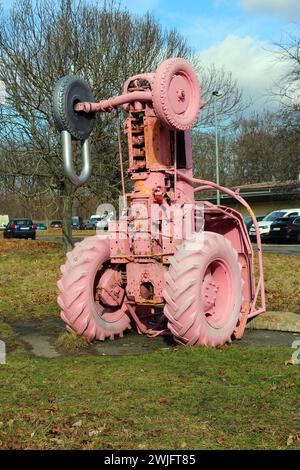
[(220, 440), (162, 400), (142, 446), (155, 432), (51, 410), (288, 363), (289, 385), (130, 421), (56, 440), (77, 424)]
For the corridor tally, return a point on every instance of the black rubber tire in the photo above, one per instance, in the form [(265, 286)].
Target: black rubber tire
[(67, 92)]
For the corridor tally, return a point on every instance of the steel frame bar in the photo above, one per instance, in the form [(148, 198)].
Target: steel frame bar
[(260, 286)]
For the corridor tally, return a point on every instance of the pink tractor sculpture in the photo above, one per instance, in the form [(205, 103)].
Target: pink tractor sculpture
[(170, 265)]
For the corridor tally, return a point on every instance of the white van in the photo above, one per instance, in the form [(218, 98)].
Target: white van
[(265, 224), (4, 219), (96, 217)]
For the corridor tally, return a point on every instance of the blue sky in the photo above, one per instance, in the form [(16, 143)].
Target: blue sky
[(206, 23), (238, 35)]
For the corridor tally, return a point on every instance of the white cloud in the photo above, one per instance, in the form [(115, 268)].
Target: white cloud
[(287, 8), (251, 63)]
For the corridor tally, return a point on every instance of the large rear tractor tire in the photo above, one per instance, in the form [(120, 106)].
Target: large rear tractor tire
[(81, 309), (203, 291)]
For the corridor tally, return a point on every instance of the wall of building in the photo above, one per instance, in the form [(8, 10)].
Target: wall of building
[(264, 207)]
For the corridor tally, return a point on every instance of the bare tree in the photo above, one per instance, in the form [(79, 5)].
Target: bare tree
[(42, 40), (227, 106), (266, 150), (288, 89), (230, 101)]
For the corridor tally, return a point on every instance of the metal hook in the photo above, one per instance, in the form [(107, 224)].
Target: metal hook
[(68, 160)]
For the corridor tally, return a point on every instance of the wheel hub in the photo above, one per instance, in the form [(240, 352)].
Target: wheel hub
[(210, 292), (179, 94), (109, 290), (215, 293)]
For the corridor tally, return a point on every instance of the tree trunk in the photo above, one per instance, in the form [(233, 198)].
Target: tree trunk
[(67, 196)]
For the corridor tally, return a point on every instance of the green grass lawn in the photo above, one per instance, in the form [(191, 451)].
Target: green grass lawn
[(198, 398), (241, 398)]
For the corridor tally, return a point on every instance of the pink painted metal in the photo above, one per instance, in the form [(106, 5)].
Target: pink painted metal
[(204, 291), (156, 268), (108, 105), (176, 97), (79, 300)]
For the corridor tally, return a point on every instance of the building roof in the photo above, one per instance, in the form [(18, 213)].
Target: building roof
[(269, 185), (265, 191)]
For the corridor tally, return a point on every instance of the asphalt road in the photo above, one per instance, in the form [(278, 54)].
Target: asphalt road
[(40, 338), (280, 249), (267, 248)]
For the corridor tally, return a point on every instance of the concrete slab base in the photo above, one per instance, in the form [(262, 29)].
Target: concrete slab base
[(277, 321)]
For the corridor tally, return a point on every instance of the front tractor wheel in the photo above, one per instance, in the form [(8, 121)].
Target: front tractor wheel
[(92, 298), (203, 291)]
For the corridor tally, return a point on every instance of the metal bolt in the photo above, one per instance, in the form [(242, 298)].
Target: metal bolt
[(180, 94)]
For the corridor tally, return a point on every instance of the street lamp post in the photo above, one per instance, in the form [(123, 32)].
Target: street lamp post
[(215, 95)]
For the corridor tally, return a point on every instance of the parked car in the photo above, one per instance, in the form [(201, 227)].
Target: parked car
[(56, 224), (265, 224), (103, 223), (295, 230), (20, 228), (77, 224), (285, 229), (40, 226), (92, 222), (248, 220)]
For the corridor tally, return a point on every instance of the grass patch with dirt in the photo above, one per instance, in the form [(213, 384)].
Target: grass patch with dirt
[(29, 271), (176, 398), (69, 342), (282, 275), (57, 232)]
